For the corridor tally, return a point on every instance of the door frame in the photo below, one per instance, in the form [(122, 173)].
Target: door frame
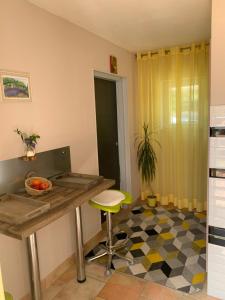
[(123, 128)]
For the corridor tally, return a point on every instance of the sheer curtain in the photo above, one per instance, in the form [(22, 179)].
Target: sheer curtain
[(173, 100)]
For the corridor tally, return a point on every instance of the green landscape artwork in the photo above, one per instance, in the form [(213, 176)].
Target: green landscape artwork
[(15, 87)]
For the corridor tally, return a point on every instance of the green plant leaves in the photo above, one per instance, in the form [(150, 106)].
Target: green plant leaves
[(24, 136), (146, 156)]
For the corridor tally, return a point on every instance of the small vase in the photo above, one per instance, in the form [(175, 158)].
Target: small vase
[(29, 149), (29, 152)]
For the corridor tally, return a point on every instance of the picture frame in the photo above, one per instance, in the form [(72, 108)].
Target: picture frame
[(15, 86), (113, 64)]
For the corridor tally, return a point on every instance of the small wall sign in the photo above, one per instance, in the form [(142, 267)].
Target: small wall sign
[(113, 64)]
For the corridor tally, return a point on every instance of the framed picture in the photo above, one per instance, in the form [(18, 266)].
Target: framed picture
[(113, 64), (15, 86)]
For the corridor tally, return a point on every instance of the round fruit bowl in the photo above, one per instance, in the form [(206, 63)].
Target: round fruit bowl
[(36, 186)]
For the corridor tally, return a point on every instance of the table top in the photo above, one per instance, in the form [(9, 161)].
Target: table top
[(71, 200)]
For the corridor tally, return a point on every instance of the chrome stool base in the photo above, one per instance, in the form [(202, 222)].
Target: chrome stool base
[(110, 249)]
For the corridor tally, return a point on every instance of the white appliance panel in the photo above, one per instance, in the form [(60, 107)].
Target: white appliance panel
[(217, 152), (217, 116)]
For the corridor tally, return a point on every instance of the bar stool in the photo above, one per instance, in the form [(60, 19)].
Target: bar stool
[(111, 201)]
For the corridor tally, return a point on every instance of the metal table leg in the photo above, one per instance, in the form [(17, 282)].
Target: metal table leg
[(81, 277), (34, 267)]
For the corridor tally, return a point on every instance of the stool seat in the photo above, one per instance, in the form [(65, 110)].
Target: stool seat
[(109, 198), (127, 199)]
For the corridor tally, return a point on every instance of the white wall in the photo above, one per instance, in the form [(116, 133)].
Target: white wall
[(60, 58), (218, 53)]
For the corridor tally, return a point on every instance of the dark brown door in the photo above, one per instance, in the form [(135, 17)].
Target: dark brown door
[(107, 130)]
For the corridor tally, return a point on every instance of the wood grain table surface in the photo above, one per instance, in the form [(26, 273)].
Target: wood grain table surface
[(63, 200)]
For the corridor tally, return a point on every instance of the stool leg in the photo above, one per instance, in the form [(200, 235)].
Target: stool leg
[(109, 233), (108, 267), (109, 228), (81, 277)]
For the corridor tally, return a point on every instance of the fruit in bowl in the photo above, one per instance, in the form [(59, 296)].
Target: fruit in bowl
[(43, 186), (37, 185)]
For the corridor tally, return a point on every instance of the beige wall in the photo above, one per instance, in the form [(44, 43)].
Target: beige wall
[(60, 58), (218, 53)]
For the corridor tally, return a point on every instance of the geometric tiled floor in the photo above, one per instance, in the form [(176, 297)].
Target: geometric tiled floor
[(168, 246)]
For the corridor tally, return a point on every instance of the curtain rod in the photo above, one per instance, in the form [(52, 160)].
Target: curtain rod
[(154, 52)]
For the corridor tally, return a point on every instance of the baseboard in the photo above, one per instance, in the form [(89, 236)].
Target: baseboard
[(64, 266)]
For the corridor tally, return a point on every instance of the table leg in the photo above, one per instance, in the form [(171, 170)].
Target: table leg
[(81, 277), (34, 267)]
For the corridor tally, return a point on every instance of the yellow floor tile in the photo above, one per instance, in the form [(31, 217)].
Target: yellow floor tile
[(167, 236), (137, 246), (200, 215), (200, 243), (148, 213), (185, 225), (198, 278), (163, 221), (154, 257)]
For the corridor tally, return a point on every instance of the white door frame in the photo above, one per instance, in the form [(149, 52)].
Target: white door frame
[(123, 129)]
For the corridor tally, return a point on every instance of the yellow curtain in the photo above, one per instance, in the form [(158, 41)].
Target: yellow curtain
[(173, 100)]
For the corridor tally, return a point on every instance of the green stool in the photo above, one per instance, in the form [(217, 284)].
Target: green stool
[(111, 201), (8, 296)]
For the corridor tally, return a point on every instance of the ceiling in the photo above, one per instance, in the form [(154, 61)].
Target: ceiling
[(137, 24)]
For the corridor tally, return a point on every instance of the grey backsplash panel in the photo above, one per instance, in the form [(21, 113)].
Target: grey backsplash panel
[(47, 164)]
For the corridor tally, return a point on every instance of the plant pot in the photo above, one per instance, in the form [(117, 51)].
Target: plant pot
[(152, 200)]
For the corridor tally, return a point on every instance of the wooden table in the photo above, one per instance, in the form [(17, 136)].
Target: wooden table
[(70, 200)]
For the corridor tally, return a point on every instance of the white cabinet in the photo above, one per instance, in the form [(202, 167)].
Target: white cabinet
[(216, 271), (217, 202)]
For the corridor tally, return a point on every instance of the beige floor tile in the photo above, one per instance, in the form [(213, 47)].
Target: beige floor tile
[(154, 291), (185, 297), (53, 290), (97, 271), (122, 287), (127, 280), (119, 292), (70, 274), (85, 291)]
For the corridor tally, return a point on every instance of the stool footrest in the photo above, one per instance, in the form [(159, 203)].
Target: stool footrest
[(97, 256), (119, 245), (130, 260), (113, 252), (110, 251)]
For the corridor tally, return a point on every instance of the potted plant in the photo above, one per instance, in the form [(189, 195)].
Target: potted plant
[(146, 159), (30, 142)]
